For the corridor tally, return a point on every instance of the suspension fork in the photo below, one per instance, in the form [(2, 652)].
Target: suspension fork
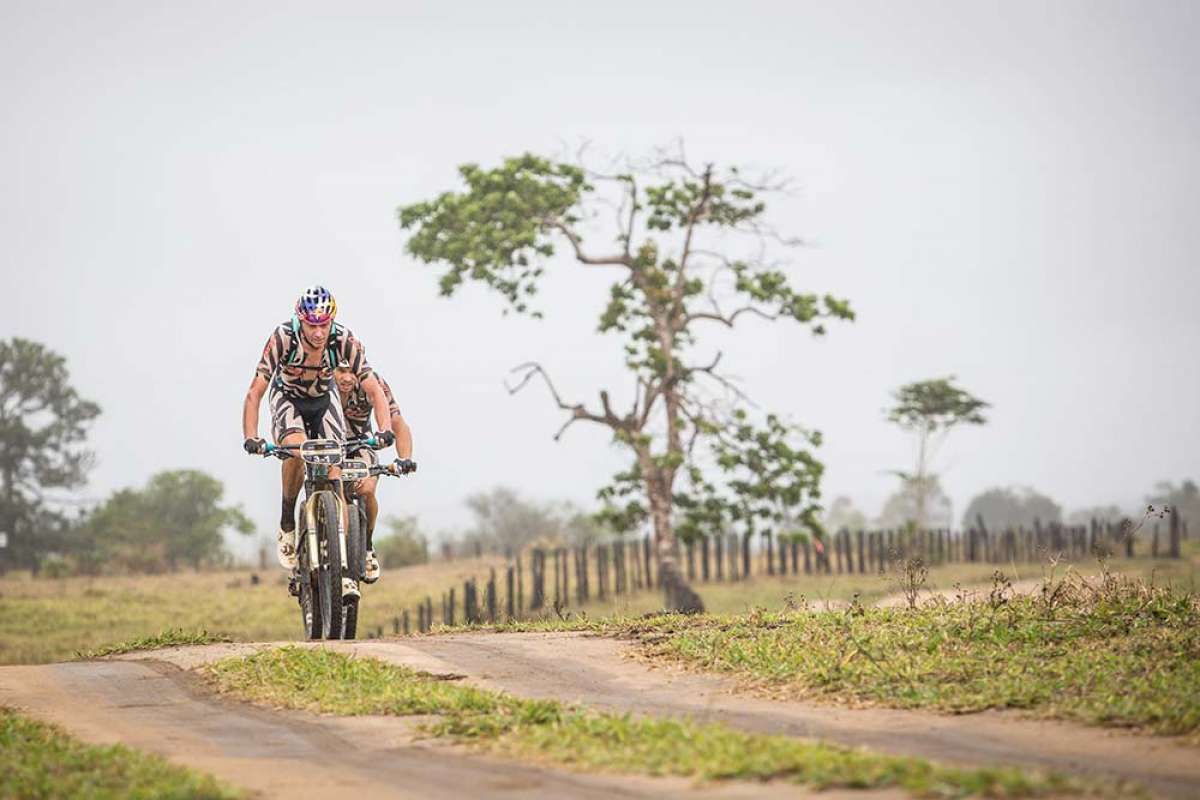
[(342, 513), (310, 517)]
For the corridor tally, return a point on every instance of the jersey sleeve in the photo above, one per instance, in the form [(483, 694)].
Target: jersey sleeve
[(272, 354), (391, 398), (354, 353)]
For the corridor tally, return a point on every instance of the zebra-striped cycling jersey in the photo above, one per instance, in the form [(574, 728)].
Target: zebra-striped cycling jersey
[(356, 408), (282, 363)]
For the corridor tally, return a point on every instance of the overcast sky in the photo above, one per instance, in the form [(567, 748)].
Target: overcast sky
[(1007, 192)]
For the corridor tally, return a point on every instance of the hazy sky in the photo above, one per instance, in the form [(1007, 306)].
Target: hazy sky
[(1005, 191)]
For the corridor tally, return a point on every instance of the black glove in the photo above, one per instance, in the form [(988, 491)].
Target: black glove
[(404, 466), (385, 438), (254, 446)]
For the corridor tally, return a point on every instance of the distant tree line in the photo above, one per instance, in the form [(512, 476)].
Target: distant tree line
[(176, 520)]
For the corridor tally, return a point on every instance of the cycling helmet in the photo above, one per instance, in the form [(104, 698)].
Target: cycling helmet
[(316, 306)]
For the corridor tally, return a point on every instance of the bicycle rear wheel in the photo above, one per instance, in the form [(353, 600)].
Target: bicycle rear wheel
[(355, 560), (329, 573)]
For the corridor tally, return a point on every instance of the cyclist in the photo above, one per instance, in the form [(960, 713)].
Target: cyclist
[(297, 366), (356, 409)]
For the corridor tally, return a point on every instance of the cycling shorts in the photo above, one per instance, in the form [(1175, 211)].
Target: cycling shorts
[(315, 417)]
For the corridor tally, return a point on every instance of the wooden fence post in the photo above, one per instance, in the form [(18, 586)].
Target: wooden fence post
[(746, 555), (1173, 543), (566, 579), (602, 571), (509, 601), (537, 577), (647, 559), (491, 597), (619, 562)]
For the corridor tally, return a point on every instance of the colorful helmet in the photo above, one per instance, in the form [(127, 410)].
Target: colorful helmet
[(316, 306)]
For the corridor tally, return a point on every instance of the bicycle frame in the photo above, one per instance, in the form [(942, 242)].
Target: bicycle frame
[(320, 456)]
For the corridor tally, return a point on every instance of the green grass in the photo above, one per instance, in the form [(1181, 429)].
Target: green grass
[(775, 593), (52, 619), (41, 761), (553, 732), (1115, 652), (172, 637)]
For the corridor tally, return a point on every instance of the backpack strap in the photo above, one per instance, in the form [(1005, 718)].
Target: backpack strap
[(332, 345)]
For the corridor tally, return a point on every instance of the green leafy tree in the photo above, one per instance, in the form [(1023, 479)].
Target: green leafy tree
[(43, 430), (1014, 507), (689, 248), (403, 544), (176, 520), (930, 410)]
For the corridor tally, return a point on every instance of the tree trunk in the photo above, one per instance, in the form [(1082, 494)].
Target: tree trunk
[(677, 594)]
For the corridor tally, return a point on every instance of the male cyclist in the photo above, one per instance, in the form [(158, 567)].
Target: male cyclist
[(297, 365), (356, 409)]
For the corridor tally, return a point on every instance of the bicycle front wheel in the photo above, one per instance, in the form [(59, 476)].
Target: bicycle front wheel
[(329, 573)]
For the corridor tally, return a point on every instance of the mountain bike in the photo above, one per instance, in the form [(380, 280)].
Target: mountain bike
[(356, 528), (320, 580)]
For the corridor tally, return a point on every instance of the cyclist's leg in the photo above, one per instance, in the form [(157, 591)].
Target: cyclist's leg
[(287, 427), (331, 425), (365, 490)]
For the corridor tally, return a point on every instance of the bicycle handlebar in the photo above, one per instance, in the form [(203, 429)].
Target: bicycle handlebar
[(285, 451)]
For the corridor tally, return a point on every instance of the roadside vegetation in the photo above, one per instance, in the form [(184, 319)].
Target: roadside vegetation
[(1110, 650), (330, 682), (172, 637), (41, 761), (52, 620), (834, 591)]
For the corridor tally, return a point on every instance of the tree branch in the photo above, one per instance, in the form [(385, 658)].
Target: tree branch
[(578, 411), (729, 320), (577, 244)]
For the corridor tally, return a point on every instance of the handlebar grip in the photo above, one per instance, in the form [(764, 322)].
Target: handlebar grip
[(269, 448)]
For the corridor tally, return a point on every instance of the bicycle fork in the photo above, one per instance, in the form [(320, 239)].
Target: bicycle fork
[(310, 513)]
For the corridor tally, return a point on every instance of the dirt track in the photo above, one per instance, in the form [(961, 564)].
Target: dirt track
[(158, 705)]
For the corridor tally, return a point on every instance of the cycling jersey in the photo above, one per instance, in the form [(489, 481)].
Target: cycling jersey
[(357, 407), (282, 362)]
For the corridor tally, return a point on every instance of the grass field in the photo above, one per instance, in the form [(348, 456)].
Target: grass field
[(51, 619), (549, 731), (46, 619), (778, 593), (1109, 650), (41, 761)]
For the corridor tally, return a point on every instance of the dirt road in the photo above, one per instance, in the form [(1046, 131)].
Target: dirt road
[(600, 672), (156, 706), (153, 701)]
